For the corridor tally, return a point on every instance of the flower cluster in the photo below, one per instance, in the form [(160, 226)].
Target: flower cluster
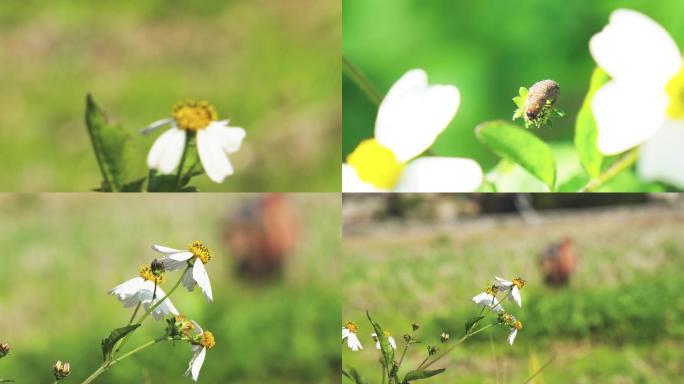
[(349, 331), (488, 301), (145, 290)]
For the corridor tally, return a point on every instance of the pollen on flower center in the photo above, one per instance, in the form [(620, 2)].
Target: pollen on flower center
[(518, 282), (675, 90), (517, 325), (200, 251), (351, 327), (194, 115), (147, 274), (376, 164), (207, 340), (493, 290)]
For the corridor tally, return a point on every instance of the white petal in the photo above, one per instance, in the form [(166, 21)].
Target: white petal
[(627, 114), (345, 332), (214, 159), (165, 250), (662, 157), (515, 295), (413, 114), (351, 181), (127, 289), (392, 343), (502, 282), (199, 274), (174, 261), (511, 336), (167, 150), (188, 281), (196, 363), (163, 309), (353, 342), (230, 138), (635, 48), (154, 125), (441, 175)]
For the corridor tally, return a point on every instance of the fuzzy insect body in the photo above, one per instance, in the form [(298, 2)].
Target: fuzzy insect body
[(542, 94)]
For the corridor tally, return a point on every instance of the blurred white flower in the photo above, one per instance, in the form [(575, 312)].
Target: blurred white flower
[(349, 332), (197, 255), (409, 120), (487, 299), (203, 341), (643, 103), (513, 286), (389, 337), (215, 140), (142, 290)]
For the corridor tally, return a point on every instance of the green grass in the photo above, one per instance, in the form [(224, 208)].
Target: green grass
[(62, 253), (270, 68), (619, 320)]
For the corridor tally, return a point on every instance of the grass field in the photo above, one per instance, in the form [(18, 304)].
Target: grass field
[(270, 67), (619, 321), (62, 253)]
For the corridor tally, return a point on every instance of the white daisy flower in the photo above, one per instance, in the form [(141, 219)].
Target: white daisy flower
[(488, 299), (515, 327), (409, 120), (215, 140), (201, 342), (349, 332), (196, 255), (389, 337), (142, 290), (513, 286), (643, 103)]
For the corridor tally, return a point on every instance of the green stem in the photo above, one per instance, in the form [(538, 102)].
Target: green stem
[(135, 312), (182, 162), (361, 81), (446, 352), (106, 365), (152, 308), (618, 166)]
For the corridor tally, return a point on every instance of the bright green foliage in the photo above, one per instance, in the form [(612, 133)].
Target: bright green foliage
[(586, 131), (114, 336), (419, 374), (110, 143), (521, 147)]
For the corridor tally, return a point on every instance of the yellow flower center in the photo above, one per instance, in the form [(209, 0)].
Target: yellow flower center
[(351, 327), (493, 290), (207, 340), (194, 115), (200, 251), (387, 333), (147, 274), (517, 325), (518, 282), (376, 164), (675, 89)]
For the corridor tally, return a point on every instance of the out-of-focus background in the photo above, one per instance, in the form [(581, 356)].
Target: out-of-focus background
[(603, 294), (274, 274), (488, 50), (271, 67)]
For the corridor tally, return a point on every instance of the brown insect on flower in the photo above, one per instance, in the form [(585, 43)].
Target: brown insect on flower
[(542, 95)]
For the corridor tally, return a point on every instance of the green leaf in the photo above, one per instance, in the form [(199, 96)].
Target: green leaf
[(586, 131), (521, 147), (387, 351), (116, 335), (471, 323), (134, 186), (110, 146), (418, 375), (6, 381), (354, 375)]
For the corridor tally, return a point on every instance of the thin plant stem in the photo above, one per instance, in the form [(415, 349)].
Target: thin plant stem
[(384, 373), (135, 312), (446, 352), (152, 308), (106, 365), (182, 162), (361, 81), (617, 167), (529, 379)]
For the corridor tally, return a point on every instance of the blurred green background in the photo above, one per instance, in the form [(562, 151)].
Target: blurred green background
[(618, 320), (488, 49), (62, 253), (271, 67)]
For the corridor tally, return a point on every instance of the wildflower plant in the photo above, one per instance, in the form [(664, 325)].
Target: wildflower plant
[(197, 142), (628, 133), (492, 313), (145, 295)]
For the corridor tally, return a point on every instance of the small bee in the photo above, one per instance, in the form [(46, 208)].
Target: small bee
[(537, 104)]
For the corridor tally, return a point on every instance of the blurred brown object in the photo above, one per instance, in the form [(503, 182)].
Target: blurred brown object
[(558, 262), (261, 236)]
